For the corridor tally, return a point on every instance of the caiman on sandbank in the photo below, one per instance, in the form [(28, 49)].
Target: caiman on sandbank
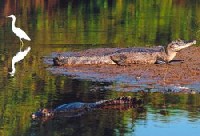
[(123, 56), (79, 108)]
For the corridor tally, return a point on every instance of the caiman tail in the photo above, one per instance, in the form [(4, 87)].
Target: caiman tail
[(124, 100)]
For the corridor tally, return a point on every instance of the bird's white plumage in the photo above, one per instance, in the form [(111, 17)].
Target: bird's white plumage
[(21, 34), (18, 31), (18, 57)]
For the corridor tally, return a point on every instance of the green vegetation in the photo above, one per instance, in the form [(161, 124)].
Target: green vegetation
[(75, 25)]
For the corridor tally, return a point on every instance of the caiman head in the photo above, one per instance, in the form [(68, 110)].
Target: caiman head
[(42, 113), (175, 46)]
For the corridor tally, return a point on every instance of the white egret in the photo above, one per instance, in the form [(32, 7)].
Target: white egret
[(18, 31), (19, 56)]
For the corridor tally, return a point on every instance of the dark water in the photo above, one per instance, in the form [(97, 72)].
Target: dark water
[(73, 25)]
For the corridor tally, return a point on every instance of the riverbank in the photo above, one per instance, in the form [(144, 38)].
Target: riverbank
[(183, 72)]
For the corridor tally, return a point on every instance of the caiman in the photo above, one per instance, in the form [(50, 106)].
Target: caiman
[(123, 56), (78, 108)]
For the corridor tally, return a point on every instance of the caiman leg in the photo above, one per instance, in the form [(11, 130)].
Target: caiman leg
[(119, 59)]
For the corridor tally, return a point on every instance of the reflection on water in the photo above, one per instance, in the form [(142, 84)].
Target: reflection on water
[(131, 122), (18, 57), (167, 125), (73, 25)]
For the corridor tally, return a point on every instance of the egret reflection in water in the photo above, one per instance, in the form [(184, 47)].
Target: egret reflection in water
[(19, 56)]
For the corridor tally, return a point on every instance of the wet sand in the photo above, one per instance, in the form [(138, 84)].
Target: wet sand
[(183, 71)]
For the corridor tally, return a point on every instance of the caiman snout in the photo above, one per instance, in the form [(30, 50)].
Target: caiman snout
[(42, 113), (194, 42), (180, 44)]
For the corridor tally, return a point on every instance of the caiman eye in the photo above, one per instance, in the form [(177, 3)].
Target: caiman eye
[(174, 46)]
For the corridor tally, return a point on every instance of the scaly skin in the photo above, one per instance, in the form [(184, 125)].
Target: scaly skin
[(124, 56), (79, 108)]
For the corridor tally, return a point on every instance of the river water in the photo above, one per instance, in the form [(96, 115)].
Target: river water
[(74, 25)]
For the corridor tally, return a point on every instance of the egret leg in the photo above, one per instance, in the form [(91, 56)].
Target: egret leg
[(21, 44)]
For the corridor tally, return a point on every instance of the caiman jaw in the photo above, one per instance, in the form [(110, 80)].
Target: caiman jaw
[(179, 46)]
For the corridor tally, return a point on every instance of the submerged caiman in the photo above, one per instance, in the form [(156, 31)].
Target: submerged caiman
[(79, 108), (123, 56)]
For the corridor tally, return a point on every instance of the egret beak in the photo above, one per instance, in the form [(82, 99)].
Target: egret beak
[(9, 16)]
